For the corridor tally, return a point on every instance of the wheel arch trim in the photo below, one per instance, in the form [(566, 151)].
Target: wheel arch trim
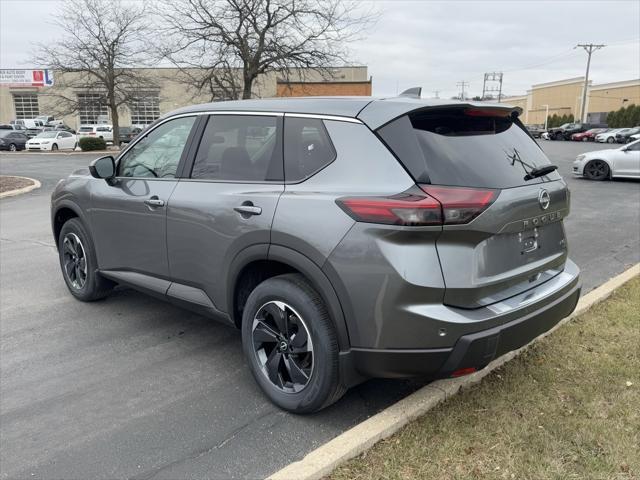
[(311, 271)]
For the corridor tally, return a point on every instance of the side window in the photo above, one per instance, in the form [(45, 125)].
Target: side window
[(65, 134), (307, 148), (157, 154), (243, 148), (634, 148)]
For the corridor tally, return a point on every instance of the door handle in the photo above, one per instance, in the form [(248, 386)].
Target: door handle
[(154, 202), (247, 209)]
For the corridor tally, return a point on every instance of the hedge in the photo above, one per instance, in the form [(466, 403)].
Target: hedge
[(88, 144)]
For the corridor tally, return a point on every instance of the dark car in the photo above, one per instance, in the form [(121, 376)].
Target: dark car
[(565, 131), (346, 238), (32, 132), (126, 134), (625, 135), (64, 128), (536, 131), (12, 140)]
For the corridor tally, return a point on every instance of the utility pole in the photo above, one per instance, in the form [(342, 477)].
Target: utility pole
[(495, 78), (589, 48), (436, 94), (462, 86)]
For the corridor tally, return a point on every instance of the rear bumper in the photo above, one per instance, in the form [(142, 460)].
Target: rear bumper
[(476, 349)]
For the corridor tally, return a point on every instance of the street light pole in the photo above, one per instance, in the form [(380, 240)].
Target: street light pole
[(589, 48), (546, 116)]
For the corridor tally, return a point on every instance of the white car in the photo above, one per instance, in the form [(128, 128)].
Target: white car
[(609, 136), (622, 162), (52, 140), (99, 131)]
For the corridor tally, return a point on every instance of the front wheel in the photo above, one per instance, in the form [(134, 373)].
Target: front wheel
[(291, 345), (54, 147), (79, 265), (596, 170), (13, 147), (611, 140)]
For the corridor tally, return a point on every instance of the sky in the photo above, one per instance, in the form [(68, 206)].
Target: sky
[(437, 44)]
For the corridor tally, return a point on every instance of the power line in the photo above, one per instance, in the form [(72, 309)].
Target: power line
[(495, 78), (589, 48)]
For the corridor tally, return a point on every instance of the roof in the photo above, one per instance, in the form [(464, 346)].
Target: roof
[(373, 111)]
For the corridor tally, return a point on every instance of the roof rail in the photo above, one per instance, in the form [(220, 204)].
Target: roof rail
[(412, 92)]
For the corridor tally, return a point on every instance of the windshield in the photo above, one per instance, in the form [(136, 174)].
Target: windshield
[(47, 135)]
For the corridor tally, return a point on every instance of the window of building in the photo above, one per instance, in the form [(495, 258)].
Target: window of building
[(93, 108), (240, 148), (145, 109), (307, 148), (26, 105)]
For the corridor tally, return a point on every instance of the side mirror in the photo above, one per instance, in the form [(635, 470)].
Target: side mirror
[(104, 168)]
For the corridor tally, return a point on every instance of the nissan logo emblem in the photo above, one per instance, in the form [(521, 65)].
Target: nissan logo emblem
[(544, 199)]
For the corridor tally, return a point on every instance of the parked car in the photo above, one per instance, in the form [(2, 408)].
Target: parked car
[(624, 136), (613, 163), (45, 119), (32, 132), (536, 131), (635, 137), (12, 140), (565, 131), (53, 140), (65, 128), (609, 136), (587, 136), (126, 134), (99, 131), (30, 123), (346, 239), (13, 126)]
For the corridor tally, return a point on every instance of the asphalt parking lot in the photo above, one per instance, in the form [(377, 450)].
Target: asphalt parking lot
[(131, 387)]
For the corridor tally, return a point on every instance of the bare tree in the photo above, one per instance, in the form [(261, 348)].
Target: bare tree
[(222, 46), (102, 44)]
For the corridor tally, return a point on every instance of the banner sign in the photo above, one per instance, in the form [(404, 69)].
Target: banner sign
[(26, 78)]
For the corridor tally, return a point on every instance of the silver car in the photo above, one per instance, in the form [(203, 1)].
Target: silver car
[(347, 238), (621, 162)]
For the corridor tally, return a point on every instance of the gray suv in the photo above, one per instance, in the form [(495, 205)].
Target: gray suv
[(346, 238)]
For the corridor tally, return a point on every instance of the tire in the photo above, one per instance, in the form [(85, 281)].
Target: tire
[(611, 140), (558, 136), (13, 147), (75, 145), (596, 170), (89, 286), (54, 148), (585, 139), (302, 382)]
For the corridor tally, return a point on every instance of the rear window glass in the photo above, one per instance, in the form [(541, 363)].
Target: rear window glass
[(464, 147), (307, 148), (86, 129)]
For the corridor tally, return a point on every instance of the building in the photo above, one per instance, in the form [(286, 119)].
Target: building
[(29, 93), (564, 97)]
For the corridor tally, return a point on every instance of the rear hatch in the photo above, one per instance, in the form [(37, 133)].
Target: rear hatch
[(513, 242)]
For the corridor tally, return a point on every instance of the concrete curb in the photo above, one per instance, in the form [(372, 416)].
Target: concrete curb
[(353, 442), (19, 191)]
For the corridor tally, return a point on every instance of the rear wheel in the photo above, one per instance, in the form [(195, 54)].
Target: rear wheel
[(611, 140), (291, 345), (79, 265), (585, 139), (596, 170)]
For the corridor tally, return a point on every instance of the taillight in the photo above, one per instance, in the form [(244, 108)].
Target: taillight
[(429, 205), (412, 208), (461, 204)]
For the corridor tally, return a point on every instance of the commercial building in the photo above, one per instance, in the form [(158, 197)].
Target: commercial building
[(564, 97), (29, 93)]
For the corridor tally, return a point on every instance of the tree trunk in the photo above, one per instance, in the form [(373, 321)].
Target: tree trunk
[(115, 121), (246, 90)]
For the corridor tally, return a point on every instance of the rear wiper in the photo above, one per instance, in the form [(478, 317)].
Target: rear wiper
[(540, 172)]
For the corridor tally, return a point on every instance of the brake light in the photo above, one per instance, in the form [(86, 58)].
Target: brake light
[(429, 205), (487, 112), (411, 208), (461, 204)]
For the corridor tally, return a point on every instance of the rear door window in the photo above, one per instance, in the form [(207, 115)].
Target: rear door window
[(239, 148), (465, 147), (307, 148)]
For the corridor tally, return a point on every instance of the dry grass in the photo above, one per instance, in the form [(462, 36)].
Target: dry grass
[(568, 408), (8, 183)]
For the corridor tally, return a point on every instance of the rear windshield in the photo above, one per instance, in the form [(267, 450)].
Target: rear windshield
[(86, 129), (465, 147)]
